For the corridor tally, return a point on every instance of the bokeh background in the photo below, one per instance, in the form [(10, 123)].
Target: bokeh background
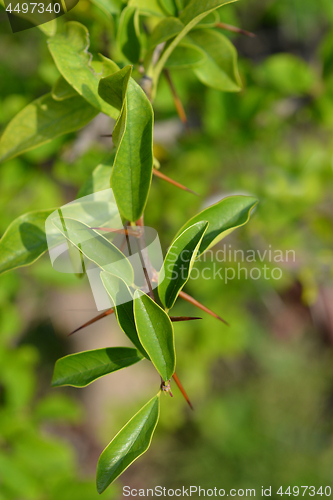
[(263, 388)]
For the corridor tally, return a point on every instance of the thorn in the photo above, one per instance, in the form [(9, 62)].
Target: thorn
[(174, 319), (176, 99), (106, 135), (91, 321), (182, 390), (164, 177), (234, 29), (190, 299)]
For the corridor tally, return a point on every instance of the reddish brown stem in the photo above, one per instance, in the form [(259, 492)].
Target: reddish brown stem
[(182, 390), (174, 183), (190, 299), (93, 320), (178, 104), (234, 29)]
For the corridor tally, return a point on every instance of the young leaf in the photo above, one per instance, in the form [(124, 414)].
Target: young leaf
[(164, 30), (128, 34), (133, 137), (24, 241), (70, 53), (123, 306), (95, 247), (156, 334), (79, 370), (194, 12), (186, 55), (178, 263), (41, 121), (219, 70), (223, 217), (128, 445)]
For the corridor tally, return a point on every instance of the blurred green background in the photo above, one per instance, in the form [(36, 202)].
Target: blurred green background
[(263, 388)]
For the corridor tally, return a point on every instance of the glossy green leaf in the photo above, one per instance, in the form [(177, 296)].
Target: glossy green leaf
[(164, 30), (194, 12), (70, 53), (209, 21), (128, 36), (79, 370), (123, 304), (62, 90), (219, 69), (95, 247), (179, 262), (156, 334), (133, 137), (223, 217), (152, 7), (41, 121), (128, 445), (186, 55), (24, 241)]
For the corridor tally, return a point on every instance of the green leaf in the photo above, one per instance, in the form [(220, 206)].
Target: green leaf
[(219, 69), (41, 121), (128, 35), (128, 445), (133, 137), (164, 30), (186, 55), (123, 304), (209, 21), (95, 247), (24, 241), (177, 266), (151, 7), (79, 370), (62, 90), (156, 334), (70, 53), (223, 217), (193, 13), (99, 179), (196, 10)]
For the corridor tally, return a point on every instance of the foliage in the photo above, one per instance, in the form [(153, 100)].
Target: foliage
[(103, 87), (272, 140)]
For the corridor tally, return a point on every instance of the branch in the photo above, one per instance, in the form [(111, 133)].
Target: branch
[(190, 299), (234, 29)]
